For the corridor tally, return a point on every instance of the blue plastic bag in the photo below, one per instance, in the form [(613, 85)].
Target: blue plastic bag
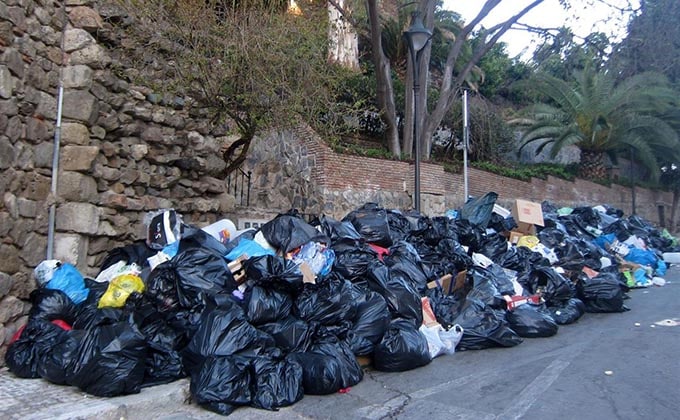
[(248, 247), (68, 279)]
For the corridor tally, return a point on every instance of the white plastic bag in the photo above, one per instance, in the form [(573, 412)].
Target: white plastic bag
[(441, 341)]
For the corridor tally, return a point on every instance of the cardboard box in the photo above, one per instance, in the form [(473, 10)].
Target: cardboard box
[(527, 215), (514, 237), (445, 282)]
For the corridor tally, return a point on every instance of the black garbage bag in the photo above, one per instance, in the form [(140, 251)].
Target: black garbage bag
[(547, 282), (551, 237), (290, 334), (278, 382), (588, 215), (403, 261), (567, 312), (484, 288), (59, 363), (469, 235), (320, 373), (400, 225), (502, 224), (37, 339), (193, 238), (264, 305), (164, 361), (516, 259), (273, 271), (352, 259), (136, 252), (371, 321), (432, 230), (328, 365), (201, 273), (484, 327), (494, 246), (337, 230), (445, 307), (401, 294), (111, 361), (370, 220), (51, 304), (328, 302), (90, 317), (402, 348), (222, 383), (224, 331), (530, 321), (602, 293), (478, 211), (161, 288), (619, 228), (576, 227), (287, 232), (570, 256)]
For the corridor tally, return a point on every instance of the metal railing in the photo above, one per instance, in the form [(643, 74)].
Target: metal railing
[(238, 184)]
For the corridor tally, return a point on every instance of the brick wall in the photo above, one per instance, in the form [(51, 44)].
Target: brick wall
[(441, 190)]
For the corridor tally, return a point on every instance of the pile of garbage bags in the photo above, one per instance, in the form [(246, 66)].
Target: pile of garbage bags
[(263, 316)]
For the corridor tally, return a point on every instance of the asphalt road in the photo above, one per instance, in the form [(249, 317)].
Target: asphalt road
[(605, 366)]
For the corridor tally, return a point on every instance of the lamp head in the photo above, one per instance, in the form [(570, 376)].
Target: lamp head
[(417, 35)]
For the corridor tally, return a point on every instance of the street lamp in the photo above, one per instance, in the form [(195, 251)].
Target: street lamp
[(416, 36)]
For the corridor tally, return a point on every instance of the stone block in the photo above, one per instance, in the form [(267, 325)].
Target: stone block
[(9, 259), (27, 208), (77, 158), (37, 130), (34, 249), (47, 105), (36, 186), (12, 59), (5, 284), (76, 39), (81, 106), (77, 77), (6, 83), (78, 217), (42, 155), (71, 248), (74, 186), (92, 55), (75, 133), (23, 284), (11, 308), (85, 18), (7, 153)]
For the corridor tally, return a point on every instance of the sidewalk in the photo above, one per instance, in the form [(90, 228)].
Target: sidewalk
[(38, 399)]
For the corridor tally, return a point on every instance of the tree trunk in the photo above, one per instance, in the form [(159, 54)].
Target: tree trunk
[(592, 165), (343, 39), (385, 91), (674, 210)]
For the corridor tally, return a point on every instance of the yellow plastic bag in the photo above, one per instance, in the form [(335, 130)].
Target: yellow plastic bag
[(119, 289), (528, 241)]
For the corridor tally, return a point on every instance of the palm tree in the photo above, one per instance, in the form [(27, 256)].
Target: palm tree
[(602, 118)]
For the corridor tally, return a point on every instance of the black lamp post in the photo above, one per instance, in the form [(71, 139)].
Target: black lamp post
[(416, 36)]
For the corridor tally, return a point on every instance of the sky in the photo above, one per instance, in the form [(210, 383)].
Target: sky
[(584, 19)]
